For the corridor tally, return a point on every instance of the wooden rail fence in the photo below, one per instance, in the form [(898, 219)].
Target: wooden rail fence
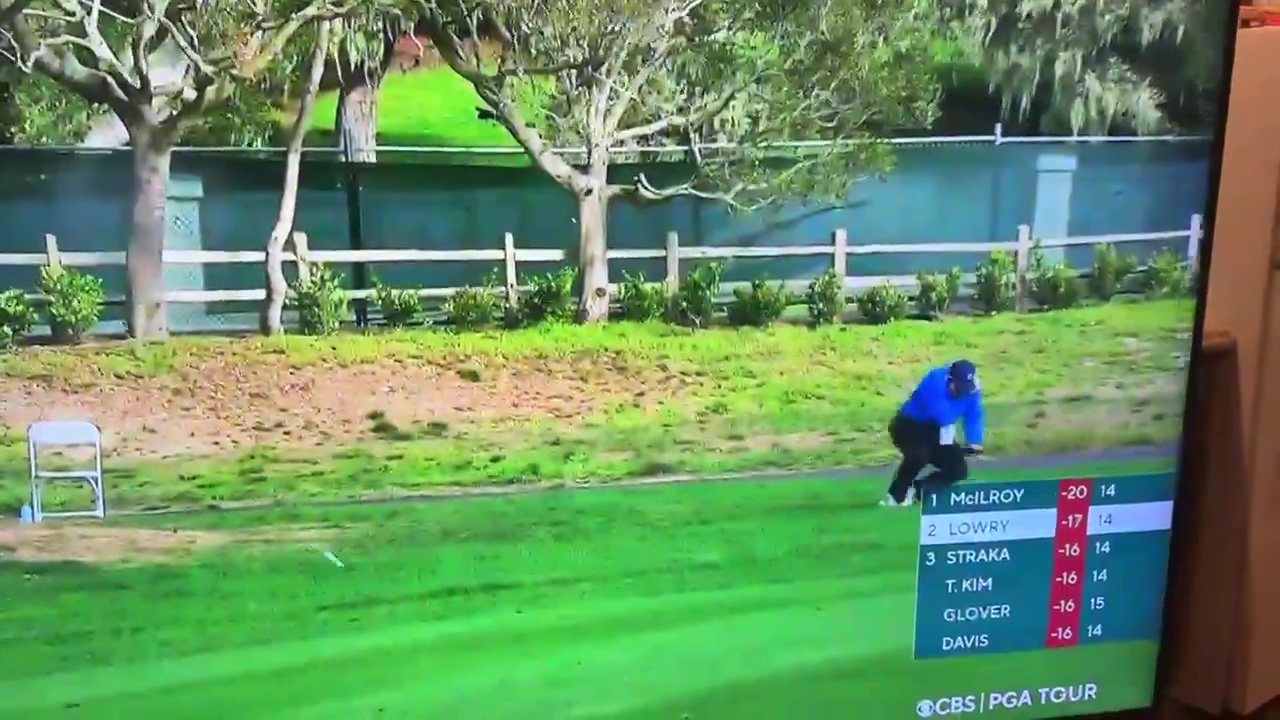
[(838, 249)]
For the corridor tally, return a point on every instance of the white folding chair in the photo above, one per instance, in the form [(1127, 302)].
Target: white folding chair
[(65, 434)]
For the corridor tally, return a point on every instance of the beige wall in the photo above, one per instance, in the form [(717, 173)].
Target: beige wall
[(1244, 300)]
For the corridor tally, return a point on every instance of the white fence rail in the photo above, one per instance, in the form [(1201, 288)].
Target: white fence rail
[(996, 137), (838, 249)]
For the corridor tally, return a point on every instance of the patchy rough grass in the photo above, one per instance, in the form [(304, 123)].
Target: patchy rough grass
[(197, 421), (97, 542)]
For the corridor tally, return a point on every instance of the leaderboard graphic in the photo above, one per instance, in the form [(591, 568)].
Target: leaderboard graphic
[(1006, 567)]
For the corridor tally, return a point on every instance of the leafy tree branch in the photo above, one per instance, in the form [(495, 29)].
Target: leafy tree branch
[(1099, 66), (738, 84), (162, 67)]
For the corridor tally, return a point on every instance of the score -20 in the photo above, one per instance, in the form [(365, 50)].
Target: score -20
[(1076, 492), (1081, 491)]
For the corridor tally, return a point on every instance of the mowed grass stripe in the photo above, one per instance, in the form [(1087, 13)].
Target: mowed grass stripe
[(437, 560), (525, 662), (797, 655), (648, 595), (643, 665), (889, 685)]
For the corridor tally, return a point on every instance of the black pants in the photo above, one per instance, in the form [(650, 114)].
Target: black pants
[(917, 440)]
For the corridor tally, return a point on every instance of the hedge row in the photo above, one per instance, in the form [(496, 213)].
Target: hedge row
[(74, 299)]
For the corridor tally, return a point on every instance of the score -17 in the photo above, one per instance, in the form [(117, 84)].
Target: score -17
[(1075, 520)]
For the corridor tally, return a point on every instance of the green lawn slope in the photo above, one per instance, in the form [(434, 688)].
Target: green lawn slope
[(432, 107), (623, 400)]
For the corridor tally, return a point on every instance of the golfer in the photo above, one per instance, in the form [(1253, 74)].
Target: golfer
[(924, 431)]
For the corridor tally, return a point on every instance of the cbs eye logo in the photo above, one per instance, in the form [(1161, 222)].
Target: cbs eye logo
[(958, 705)]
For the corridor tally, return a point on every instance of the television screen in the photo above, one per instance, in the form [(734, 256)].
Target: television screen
[(595, 360)]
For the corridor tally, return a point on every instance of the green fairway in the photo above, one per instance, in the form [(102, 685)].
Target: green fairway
[(708, 601), (428, 107), (434, 107)]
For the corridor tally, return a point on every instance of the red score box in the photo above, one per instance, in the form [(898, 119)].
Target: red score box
[(1070, 540)]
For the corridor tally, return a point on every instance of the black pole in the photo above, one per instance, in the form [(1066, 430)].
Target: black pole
[(355, 235)]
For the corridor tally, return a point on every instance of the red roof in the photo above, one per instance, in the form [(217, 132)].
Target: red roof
[(410, 45)]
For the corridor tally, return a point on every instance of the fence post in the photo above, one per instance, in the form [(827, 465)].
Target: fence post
[(51, 250), (302, 256), (1193, 243), (1022, 259), (509, 268), (840, 255), (673, 262)]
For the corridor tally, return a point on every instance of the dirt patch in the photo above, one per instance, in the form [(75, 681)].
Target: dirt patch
[(223, 403), (1147, 389), (790, 441), (97, 543)]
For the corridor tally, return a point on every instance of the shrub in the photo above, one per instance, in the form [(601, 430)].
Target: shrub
[(996, 283), (320, 301), (641, 301), (399, 307), (1110, 270), (16, 316), (74, 302), (549, 298), (825, 298), (1166, 275), (938, 291), (472, 308), (759, 305), (695, 302), (1055, 286), (883, 303)]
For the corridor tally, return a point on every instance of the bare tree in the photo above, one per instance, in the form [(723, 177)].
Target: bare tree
[(100, 51), (273, 309), (774, 98)]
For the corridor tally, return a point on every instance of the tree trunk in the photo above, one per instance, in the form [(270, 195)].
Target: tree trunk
[(356, 122), (593, 263), (271, 319), (152, 152)]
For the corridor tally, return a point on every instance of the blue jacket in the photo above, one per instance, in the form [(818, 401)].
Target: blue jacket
[(931, 402)]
